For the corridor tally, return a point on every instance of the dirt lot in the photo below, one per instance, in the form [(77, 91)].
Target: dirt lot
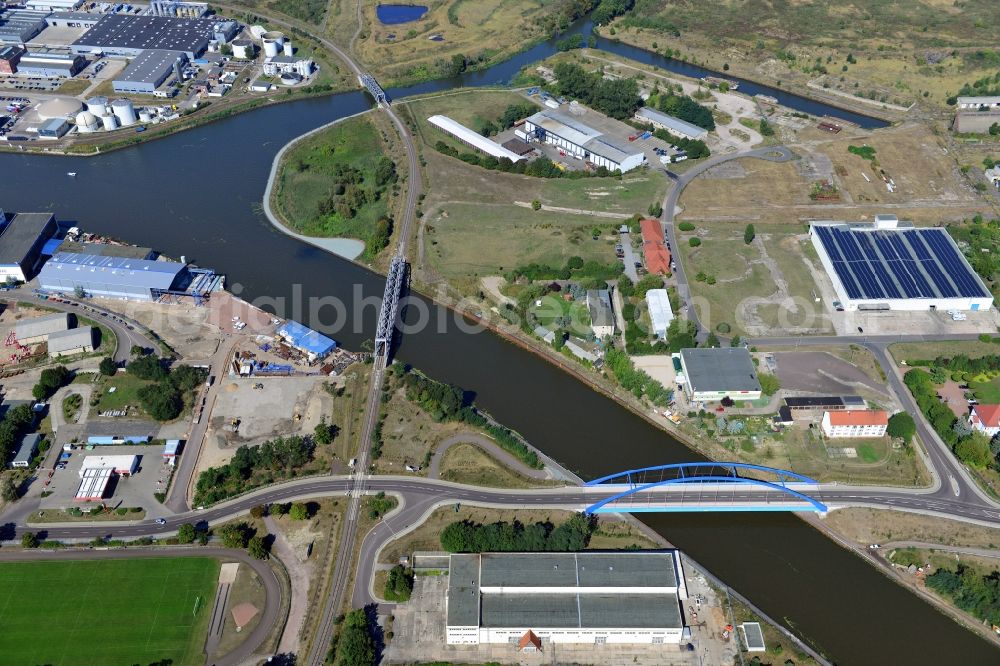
[(821, 372), (184, 326), (765, 288), (284, 406), (867, 526)]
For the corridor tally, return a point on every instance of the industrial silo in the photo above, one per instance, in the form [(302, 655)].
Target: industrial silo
[(124, 111), (110, 122), (289, 50), (98, 105), (145, 116), (87, 122), (273, 41)]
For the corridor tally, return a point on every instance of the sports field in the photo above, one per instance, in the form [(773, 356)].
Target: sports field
[(106, 612)]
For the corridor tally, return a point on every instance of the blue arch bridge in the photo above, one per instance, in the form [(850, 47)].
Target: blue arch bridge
[(703, 486)]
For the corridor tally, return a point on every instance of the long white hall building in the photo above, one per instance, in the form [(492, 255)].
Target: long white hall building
[(588, 597)]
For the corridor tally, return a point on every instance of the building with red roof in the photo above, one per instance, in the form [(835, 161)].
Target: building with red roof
[(856, 423), (986, 419), (654, 249)]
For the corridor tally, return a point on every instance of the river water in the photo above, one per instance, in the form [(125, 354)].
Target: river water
[(198, 194)]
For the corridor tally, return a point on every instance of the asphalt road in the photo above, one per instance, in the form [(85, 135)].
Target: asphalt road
[(128, 331), (272, 590)]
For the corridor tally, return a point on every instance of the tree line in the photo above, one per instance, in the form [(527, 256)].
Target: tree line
[(617, 98), (254, 466), (637, 382), (15, 424), (510, 115), (685, 108), (974, 592), (466, 536), (163, 399)]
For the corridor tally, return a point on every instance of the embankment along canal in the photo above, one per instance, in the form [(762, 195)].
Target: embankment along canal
[(198, 194)]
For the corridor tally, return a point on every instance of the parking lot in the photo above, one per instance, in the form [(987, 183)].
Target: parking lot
[(136, 490)]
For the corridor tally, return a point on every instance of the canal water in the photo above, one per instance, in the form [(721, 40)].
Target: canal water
[(198, 194)]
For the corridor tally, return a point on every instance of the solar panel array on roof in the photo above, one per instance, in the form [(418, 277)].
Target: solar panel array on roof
[(899, 264)]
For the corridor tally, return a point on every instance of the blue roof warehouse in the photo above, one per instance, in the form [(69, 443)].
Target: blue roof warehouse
[(113, 277), (314, 345)]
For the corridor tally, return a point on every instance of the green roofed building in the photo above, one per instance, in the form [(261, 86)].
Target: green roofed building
[(590, 597)]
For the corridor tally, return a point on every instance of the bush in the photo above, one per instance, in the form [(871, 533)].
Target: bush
[(901, 425), (108, 367), (299, 511), (235, 535), (186, 533), (398, 584), (685, 226), (694, 242), (29, 540), (258, 548)]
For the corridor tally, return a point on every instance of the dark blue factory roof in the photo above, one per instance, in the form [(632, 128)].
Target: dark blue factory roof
[(307, 339), (112, 270), (899, 263)]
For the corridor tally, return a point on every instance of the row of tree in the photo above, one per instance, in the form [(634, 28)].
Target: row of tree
[(466, 536), (636, 381), (973, 591), (685, 108), (510, 115), (254, 466), (574, 269)]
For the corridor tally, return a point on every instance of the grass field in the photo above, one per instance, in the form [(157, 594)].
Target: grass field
[(474, 240), (556, 312), (928, 351), (899, 50), (467, 463), (111, 612), (125, 394), (309, 176)]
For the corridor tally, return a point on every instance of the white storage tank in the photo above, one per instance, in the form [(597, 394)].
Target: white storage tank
[(273, 41), (145, 116), (87, 122), (289, 50), (124, 111), (110, 122), (98, 105), (243, 49)]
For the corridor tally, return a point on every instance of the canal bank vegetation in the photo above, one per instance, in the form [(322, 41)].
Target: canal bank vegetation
[(870, 49), (340, 182), (445, 403)]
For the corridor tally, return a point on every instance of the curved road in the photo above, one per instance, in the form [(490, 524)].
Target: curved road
[(487, 445), (272, 589)]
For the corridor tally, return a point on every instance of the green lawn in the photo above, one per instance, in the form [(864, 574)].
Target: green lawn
[(308, 179), (472, 240), (868, 453), (987, 392), (556, 312), (107, 612), (126, 388)]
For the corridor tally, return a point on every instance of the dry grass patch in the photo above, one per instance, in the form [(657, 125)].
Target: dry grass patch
[(468, 464), (866, 526)]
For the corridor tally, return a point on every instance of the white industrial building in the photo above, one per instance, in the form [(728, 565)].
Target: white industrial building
[(124, 465), (977, 103), (38, 329), (288, 64), (855, 423), (675, 126), (545, 598), (660, 312), (73, 341), (473, 139), (581, 141), (893, 266)]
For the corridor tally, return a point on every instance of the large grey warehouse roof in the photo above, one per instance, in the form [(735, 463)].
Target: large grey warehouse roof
[(676, 124), (720, 369), (512, 570), (150, 66), (119, 31), (47, 325), (20, 234), (463, 591), (595, 611), (113, 270), (72, 339), (106, 250)]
